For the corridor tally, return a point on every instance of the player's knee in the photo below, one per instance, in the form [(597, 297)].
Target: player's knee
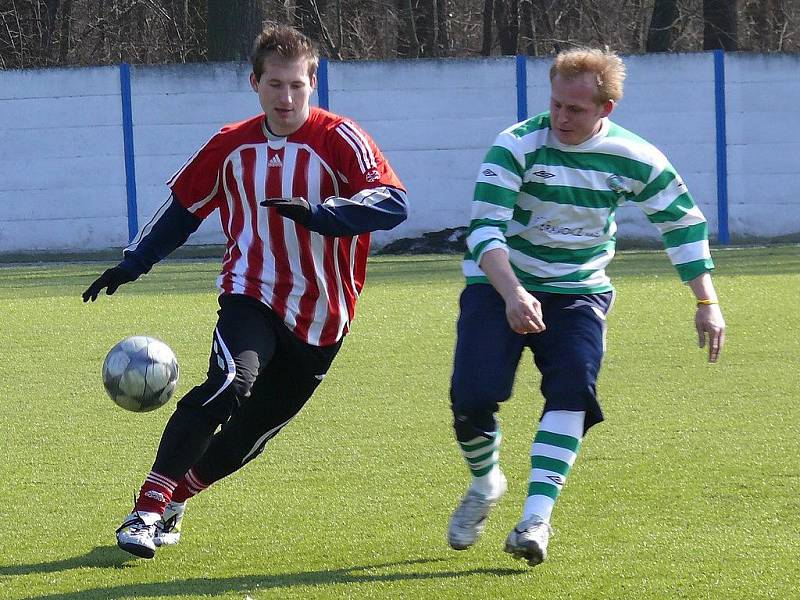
[(576, 383), (219, 395), (469, 425), (476, 396)]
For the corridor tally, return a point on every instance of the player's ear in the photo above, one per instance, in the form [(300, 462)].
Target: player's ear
[(254, 82), (608, 106), (313, 81)]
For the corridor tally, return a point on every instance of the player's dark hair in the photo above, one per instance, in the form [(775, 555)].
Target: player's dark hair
[(286, 42)]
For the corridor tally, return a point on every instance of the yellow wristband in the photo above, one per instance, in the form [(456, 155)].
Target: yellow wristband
[(706, 302)]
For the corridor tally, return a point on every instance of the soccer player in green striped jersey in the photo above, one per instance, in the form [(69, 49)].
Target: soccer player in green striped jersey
[(541, 235)]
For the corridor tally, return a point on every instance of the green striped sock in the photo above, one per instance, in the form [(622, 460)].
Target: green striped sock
[(483, 459), (553, 453), (481, 453)]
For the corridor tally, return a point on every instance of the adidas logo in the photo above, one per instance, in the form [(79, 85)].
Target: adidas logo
[(155, 495), (275, 161)]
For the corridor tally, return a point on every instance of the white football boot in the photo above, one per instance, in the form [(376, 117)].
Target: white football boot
[(168, 528), (528, 540), (135, 535), (469, 519)]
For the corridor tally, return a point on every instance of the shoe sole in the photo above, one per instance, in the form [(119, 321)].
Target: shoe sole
[(137, 549), (534, 556), (456, 546)]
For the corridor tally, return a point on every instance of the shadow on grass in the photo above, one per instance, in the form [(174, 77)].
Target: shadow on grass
[(102, 557)]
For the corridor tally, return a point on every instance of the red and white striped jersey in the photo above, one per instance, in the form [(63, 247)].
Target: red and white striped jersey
[(311, 281)]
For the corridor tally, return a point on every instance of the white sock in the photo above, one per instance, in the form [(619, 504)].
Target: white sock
[(491, 484)]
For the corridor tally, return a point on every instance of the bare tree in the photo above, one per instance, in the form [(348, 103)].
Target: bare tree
[(425, 25), (488, 19), (662, 26), (719, 25), (442, 23), (527, 41), (232, 26), (408, 45), (66, 17), (41, 33), (308, 18), (506, 16)]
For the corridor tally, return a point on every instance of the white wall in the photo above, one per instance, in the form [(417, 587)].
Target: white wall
[(62, 168), (434, 120), (763, 124)]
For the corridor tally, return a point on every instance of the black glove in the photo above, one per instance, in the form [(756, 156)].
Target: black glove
[(111, 279), (296, 209)]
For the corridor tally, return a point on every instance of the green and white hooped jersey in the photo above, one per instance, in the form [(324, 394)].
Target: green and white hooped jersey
[(551, 207)]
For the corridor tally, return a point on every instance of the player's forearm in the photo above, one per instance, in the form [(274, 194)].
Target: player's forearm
[(495, 264), (703, 288), (375, 209), (159, 238)]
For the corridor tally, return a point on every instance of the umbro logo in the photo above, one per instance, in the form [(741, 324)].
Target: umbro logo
[(543, 174), (488, 173), (557, 479), (320, 376), (275, 161)]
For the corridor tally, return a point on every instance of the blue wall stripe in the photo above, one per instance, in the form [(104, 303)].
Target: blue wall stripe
[(522, 88), (322, 84), (127, 136), (722, 148)]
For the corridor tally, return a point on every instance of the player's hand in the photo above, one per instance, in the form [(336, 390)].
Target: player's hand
[(710, 329), (297, 209), (110, 280), (524, 312)]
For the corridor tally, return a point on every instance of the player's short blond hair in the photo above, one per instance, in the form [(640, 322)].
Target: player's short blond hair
[(285, 42), (605, 65)]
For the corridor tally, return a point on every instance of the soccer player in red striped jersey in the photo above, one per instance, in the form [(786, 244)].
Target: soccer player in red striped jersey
[(298, 191)]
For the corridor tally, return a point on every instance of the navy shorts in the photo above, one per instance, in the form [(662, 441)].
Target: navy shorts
[(568, 354)]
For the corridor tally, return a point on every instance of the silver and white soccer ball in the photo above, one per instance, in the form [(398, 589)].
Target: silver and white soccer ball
[(140, 373)]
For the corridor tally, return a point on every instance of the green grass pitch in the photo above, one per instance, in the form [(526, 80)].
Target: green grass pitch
[(690, 489)]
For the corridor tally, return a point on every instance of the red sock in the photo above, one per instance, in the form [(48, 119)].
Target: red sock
[(155, 493), (189, 486)]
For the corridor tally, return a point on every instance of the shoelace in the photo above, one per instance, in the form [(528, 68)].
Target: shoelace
[(136, 523), (168, 525)]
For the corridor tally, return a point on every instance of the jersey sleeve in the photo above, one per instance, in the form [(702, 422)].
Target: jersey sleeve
[(198, 183), (169, 228), (497, 186), (668, 204), (360, 160), (373, 199)]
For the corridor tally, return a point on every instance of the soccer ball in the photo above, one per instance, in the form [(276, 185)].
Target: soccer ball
[(140, 373)]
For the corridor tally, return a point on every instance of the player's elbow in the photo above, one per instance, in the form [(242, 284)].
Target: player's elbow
[(395, 208)]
